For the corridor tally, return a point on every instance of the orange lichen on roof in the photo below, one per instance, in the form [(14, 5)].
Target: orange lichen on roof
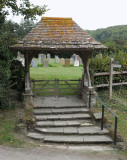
[(58, 25)]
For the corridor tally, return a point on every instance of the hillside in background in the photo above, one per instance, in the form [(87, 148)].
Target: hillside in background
[(114, 37)]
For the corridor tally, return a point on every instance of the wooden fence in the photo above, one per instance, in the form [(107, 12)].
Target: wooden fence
[(55, 87), (108, 73)]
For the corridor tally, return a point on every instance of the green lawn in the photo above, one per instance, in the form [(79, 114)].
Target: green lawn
[(51, 73)]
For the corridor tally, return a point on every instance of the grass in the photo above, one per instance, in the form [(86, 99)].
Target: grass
[(8, 133), (8, 122), (51, 73)]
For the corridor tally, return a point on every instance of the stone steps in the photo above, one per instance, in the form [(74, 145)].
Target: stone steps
[(72, 139), (77, 139), (73, 130), (64, 120), (74, 116), (59, 111), (60, 107), (63, 123)]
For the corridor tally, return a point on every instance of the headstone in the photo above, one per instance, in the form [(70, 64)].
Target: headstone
[(71, 61), (74, 56), (57, 60), (62, 61), (67, 62), (39, 57), (49, 58), (20, 57), (43, 58), (34, 63), (76, 63), (79, 59), (99, 56), (45, 63)]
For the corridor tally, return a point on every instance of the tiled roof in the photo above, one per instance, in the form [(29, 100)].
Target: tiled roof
[(57, 33)]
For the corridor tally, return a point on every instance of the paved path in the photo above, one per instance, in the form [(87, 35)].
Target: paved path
[(52, 153)]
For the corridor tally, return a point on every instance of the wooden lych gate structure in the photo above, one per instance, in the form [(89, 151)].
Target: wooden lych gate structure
[(56, 87), (57, 34)]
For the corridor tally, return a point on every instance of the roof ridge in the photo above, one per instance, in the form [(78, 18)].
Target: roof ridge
[(56, 18)]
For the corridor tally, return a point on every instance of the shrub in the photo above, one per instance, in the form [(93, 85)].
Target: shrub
[(40, 65), (102, 64)]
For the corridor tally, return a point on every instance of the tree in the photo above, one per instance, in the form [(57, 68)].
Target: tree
[(9, 34), (25, 8)]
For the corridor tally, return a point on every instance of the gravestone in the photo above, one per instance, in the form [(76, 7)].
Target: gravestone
[(71, 61), (76, 63), (57, 60), (79, 59), (34, 63), (43, 58), (67, 62), (49, 58), (39, 57), (74, 56), (20, 57), (62, 61), (45, 63)]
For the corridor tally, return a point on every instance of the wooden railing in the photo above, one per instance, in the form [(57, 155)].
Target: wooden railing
[(55, 87), (108, 73)]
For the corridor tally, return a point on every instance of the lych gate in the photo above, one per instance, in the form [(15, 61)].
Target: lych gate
[(57, 34)]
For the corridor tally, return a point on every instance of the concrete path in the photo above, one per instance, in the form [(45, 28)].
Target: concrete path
[(52, 153)]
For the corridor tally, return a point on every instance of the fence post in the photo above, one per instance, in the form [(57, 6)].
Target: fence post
[(110, 78), (56, 87), (102, 119), (90, 99), (115, 131)]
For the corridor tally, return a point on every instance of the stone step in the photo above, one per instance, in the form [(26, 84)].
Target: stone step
[(60, 111), (73, 130), (60, 107), (63, 123), (77, 139), (35, 135), (62, 117)]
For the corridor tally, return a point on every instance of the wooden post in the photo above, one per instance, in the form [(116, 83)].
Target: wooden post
[(56, 87), (27, 75), (110, 78)]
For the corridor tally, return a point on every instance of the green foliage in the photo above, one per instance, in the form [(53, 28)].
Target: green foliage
[(40, 65), (17, 76), (102, 64), (25, 8), (9, 34), (113, 37)]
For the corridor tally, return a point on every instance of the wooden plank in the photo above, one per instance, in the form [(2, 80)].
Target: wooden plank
[(107, 85), (69, 88), (44, 88), (69, 83), (107, 73), (42, 84)]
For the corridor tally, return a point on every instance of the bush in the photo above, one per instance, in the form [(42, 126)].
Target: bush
[(17, 76), (102, 64), (40, 65)]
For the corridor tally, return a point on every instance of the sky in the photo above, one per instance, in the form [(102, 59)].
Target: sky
[(88, 14)]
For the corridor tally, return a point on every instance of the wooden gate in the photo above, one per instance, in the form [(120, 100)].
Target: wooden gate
[(55, 87)]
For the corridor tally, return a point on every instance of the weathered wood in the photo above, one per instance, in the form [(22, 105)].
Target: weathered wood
[(107, 85), (107, 73), (57, 90), (110, 78)]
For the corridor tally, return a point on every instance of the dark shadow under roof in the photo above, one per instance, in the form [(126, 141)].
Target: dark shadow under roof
[(57, 34)]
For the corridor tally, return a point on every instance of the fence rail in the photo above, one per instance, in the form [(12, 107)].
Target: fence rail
[(108, 73)]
